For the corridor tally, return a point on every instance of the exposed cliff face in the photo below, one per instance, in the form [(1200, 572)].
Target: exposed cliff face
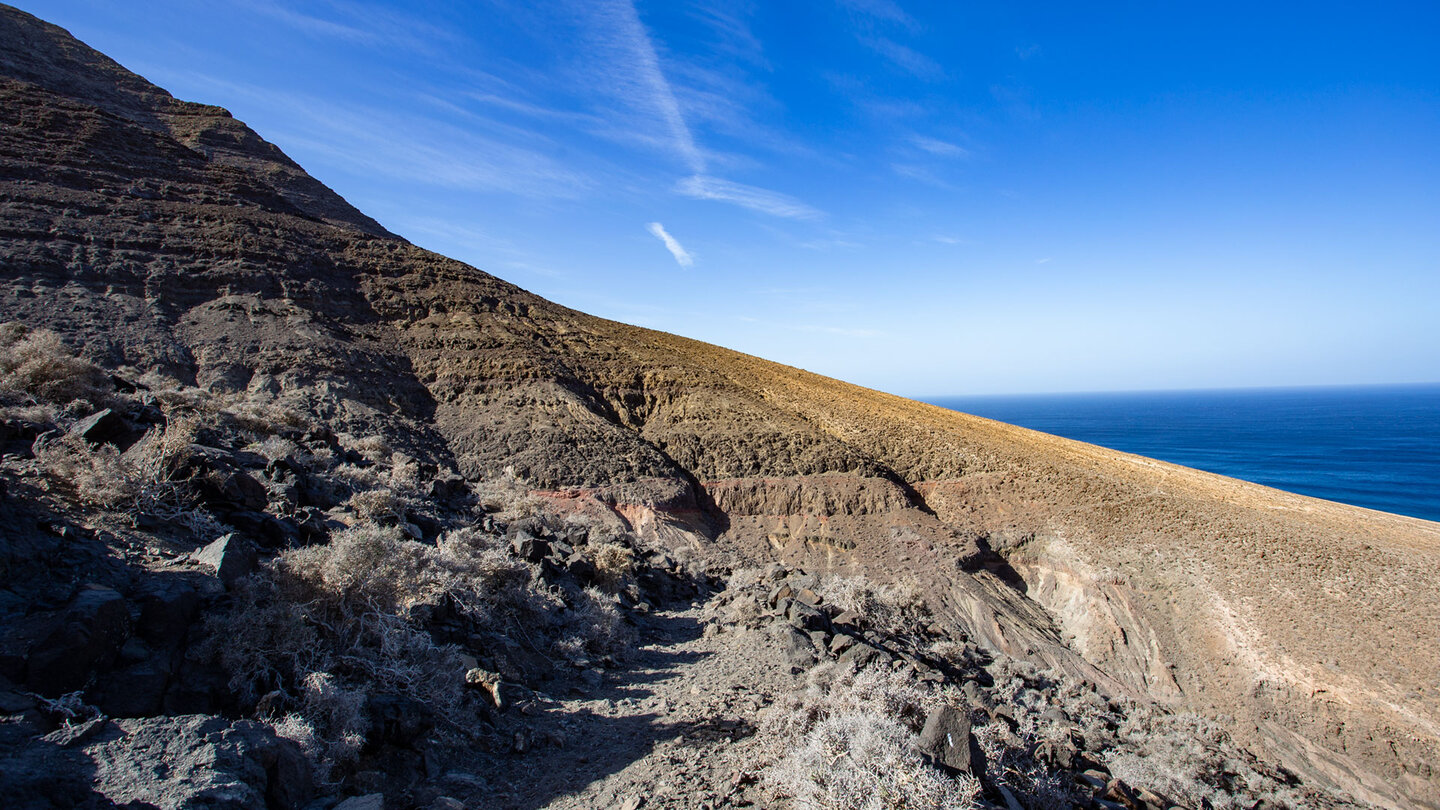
[(162, 234)]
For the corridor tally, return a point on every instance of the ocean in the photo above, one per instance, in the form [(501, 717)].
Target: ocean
[(1371, 446)]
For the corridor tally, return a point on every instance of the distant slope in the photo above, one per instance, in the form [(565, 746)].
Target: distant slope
[(167, 235)]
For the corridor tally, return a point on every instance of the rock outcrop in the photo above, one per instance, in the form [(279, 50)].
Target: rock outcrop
[(164, 235)]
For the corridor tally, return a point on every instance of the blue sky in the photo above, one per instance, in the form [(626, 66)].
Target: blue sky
[(930, 199)]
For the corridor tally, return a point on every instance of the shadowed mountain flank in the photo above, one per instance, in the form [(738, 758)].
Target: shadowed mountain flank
[(157, 234)]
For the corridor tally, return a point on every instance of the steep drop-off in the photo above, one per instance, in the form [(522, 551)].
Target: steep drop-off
[(165, 235)]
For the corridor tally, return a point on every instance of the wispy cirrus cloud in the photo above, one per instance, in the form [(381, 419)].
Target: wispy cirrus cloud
[(682, 256), (427, 151), (906, 58), (940, 148), (922, 174), (761, 200), (361, 24), (634, 75), (884, 10)]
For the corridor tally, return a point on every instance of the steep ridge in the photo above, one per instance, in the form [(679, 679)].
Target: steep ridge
[(165, 235)]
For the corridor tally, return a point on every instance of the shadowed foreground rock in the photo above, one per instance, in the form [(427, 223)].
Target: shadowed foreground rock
[(166, 237)]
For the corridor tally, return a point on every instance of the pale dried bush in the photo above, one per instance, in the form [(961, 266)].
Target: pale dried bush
[(329, 726), (1189, 759), (374, 448), (148, 479), (34, 412), (37, 363), (337, 715), (848, 741), (274, 448), (95, 474), (591, 627), (896, 608), (376, 504), (264, 415), (405, 475), (614, 564), (507, 496), (867, 761), (263, 641), (328, 625), (745, 577), (834, 688), (355, 478), (369, 568)]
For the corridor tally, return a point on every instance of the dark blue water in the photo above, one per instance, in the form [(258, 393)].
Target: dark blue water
[(1372, 446)]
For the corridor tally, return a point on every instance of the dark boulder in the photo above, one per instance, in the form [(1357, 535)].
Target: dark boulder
[(861, 655), (84, 642), (135, 691), (396, 720), (450, 490), (166, 610), (240, 490), (946, 740), (529, 548), (107, 427), (805, 617), (209, 762), (231, 557), (268, 531), (799, 649)]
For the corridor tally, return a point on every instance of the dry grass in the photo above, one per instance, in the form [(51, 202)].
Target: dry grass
[(614, 564), (848, 741), (328, 625), (376, 505), (148, 480), (895, 608), (38, 364), (372, 569)]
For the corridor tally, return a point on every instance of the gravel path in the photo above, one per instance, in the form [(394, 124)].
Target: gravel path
[(672, 728)]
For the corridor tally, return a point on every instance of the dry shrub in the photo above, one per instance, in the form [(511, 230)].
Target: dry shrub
[(376, 504), (591, 627), (374, 448), (263, 641), (507, 497), (372, 569), (146, 479), (355, 478), (614, 564), (867, 761), (274, 448), (896, 608), (95, 474), (332, 624), (1193, 761), (405, 475), (330, 725), (37, 363), (266, 418), (848, 741)]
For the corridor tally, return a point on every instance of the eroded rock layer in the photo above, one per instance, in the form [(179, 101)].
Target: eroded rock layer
[(161, 234)]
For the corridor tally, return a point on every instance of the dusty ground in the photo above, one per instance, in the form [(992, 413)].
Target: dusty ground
[(165, 235), (673, 729)]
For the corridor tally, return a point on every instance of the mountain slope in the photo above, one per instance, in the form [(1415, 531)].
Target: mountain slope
[(165, 235)]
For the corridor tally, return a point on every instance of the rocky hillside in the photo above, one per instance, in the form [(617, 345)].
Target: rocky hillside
[(166, 242)]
